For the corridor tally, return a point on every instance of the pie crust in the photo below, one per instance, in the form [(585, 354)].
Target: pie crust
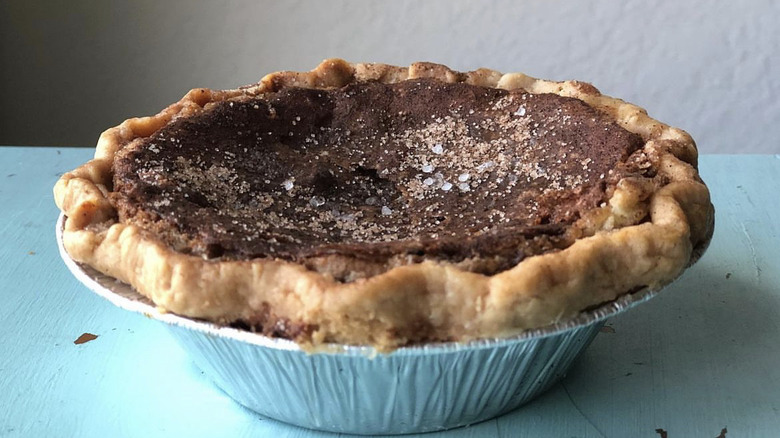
[(652, 226)]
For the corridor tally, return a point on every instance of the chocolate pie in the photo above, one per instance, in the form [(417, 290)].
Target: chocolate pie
[(378, 205)]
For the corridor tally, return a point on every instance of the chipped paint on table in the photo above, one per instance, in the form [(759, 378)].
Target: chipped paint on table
[(701, 359)]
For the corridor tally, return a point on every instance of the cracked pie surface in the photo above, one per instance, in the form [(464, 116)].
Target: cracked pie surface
[(370, 204)]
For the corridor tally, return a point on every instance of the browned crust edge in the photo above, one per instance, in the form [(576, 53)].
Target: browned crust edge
[(386, 309)]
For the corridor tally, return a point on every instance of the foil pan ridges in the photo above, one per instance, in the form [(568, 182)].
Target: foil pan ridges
[(354, 389), (393, 393)]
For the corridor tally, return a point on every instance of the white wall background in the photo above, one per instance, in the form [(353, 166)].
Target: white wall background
[(71, 69)]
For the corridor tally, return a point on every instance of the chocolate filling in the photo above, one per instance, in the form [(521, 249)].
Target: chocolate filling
[(381, 174)]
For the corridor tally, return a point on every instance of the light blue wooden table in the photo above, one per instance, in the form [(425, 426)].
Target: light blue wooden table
[(702, 356)]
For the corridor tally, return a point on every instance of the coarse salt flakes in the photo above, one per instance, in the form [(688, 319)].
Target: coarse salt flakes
[(486, 166)]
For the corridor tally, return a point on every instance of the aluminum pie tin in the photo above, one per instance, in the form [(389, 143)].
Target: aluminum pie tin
[(355, 389)]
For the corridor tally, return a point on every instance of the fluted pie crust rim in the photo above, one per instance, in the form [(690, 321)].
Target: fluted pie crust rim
[(622, 255)]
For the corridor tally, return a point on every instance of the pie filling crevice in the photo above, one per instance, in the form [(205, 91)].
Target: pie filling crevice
[(370, 204)]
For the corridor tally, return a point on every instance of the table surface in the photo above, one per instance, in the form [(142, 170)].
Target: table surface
[(701, 357)]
